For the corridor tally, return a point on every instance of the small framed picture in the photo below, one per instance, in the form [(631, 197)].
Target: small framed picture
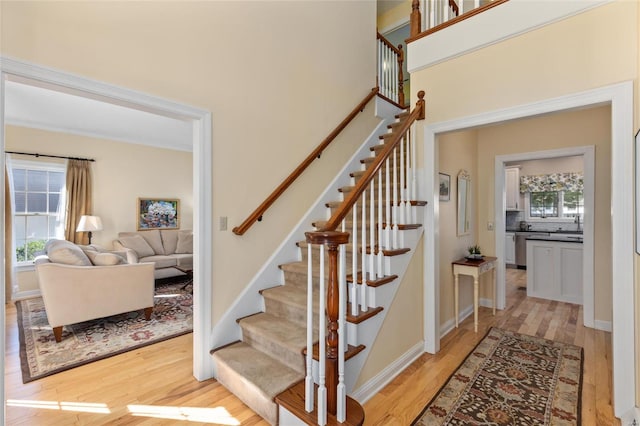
[(445, 187), (158, 213)]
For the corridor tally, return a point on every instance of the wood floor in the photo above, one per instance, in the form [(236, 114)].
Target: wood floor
[(154, 385)]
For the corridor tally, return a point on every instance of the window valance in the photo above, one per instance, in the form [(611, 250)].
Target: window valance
[(552, 182)]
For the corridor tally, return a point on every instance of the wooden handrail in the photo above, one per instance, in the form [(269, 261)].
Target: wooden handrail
[(388, 43), (257, 213), (417, 114)]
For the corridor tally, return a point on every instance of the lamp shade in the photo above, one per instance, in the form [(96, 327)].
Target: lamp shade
[(89, 223)]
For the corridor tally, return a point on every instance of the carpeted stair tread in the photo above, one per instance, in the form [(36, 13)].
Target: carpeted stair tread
[(278, 337), (290, 302), (255, 377)]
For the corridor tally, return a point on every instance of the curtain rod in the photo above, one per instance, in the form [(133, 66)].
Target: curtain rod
[(49, 156)]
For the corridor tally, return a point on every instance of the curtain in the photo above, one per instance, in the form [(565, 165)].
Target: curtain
[(9, 252), (78, 199), (552, 182)]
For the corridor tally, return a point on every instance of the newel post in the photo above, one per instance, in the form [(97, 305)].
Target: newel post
[(421, 105), (332, 239), (415, 19)]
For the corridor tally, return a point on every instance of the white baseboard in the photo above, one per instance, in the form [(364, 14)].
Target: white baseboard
[(375, 384), (603, 325), (451, 324)]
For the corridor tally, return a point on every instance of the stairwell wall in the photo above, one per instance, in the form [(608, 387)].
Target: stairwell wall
[(277, 77)]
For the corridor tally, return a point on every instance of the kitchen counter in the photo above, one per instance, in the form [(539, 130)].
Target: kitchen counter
[(565, 238)]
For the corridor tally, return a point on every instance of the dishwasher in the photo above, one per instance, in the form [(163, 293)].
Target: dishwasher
[(521, 247)]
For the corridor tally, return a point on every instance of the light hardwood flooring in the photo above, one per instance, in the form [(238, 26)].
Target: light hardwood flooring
[(154, 385)]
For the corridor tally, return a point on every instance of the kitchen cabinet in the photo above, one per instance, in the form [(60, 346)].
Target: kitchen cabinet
[(554, 270), (510, 248), (512, 185)]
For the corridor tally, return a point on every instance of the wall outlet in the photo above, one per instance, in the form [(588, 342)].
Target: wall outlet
[(489, 226), (223, 223)]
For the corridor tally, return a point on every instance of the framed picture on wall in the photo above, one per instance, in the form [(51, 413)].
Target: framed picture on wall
[(158, 213), (444, 187)]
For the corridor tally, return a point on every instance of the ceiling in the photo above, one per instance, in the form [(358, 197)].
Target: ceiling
[(46, 108)]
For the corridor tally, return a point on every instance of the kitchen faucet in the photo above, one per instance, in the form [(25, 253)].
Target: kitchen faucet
[(578, 221)]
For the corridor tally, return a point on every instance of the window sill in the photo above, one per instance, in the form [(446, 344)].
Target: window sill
[(27, 267)]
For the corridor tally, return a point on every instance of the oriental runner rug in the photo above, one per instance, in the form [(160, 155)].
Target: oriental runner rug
[(511, 379), (90, 341)]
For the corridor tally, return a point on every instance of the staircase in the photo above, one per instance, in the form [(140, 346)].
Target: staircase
[(266, 368)]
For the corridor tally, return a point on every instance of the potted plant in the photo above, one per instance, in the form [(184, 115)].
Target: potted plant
[(475, 252)]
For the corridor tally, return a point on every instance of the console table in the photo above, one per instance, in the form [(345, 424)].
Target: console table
[(474, 268)]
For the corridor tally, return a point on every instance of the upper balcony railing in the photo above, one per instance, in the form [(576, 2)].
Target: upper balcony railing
[(429, 16)]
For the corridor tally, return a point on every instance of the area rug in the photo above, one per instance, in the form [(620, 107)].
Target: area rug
[(90, 341), (511, 379)]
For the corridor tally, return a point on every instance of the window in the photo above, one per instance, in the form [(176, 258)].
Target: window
[(554, 205), (38, 198)]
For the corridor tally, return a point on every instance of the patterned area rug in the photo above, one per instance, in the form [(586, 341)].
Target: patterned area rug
[(511, 379), (93, 340)]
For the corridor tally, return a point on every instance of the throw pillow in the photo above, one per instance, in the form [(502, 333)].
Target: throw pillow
[(137, 244), (185, 242), (152, 237), (67, 253), (105, 259)]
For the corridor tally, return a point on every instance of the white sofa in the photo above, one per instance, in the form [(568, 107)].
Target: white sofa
[(76, 289), (166, 248)]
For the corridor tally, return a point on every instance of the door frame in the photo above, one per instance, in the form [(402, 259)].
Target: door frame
[(620, 97), (202, 185)]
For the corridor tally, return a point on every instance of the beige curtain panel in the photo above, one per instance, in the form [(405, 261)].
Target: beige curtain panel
[(78, 199)]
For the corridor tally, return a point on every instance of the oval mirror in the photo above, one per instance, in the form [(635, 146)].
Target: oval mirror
[(464, 197)]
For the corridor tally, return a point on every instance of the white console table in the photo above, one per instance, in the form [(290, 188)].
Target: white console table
[(474, 268)]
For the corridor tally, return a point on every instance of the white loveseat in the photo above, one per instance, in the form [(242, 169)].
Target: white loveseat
[(166, 248), (80, 285)]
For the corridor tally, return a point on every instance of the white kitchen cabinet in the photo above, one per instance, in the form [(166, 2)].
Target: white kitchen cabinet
[(510, 248), (512, 185), (554, 270)]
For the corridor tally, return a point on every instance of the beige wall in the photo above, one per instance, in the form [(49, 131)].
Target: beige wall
[(276, 76), (587, 51), (456, 151), (394, 16), (121, 173)]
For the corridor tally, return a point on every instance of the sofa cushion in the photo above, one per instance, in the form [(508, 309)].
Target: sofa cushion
[(104, 259), (169, 240), (138, 244), (67, 253), (161, 261), (152, 237), (184, 260), (185, 242)]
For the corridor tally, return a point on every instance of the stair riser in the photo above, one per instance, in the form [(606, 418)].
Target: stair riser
[(290, 357), (297, 314)]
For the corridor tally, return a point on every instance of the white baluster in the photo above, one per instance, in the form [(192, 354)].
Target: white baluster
[(402, 218), (476, 4), (407, 190), (414, 178), (372, 229), (308, 380), (354, 260), (379, 239), (432, 14), (395, 199), (387, 206), (322, 389), (363, 254), (396, 93), (445, 11), (341, 409)]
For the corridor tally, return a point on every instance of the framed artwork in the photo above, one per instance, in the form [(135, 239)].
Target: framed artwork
[(158, 213), (444, 187)]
